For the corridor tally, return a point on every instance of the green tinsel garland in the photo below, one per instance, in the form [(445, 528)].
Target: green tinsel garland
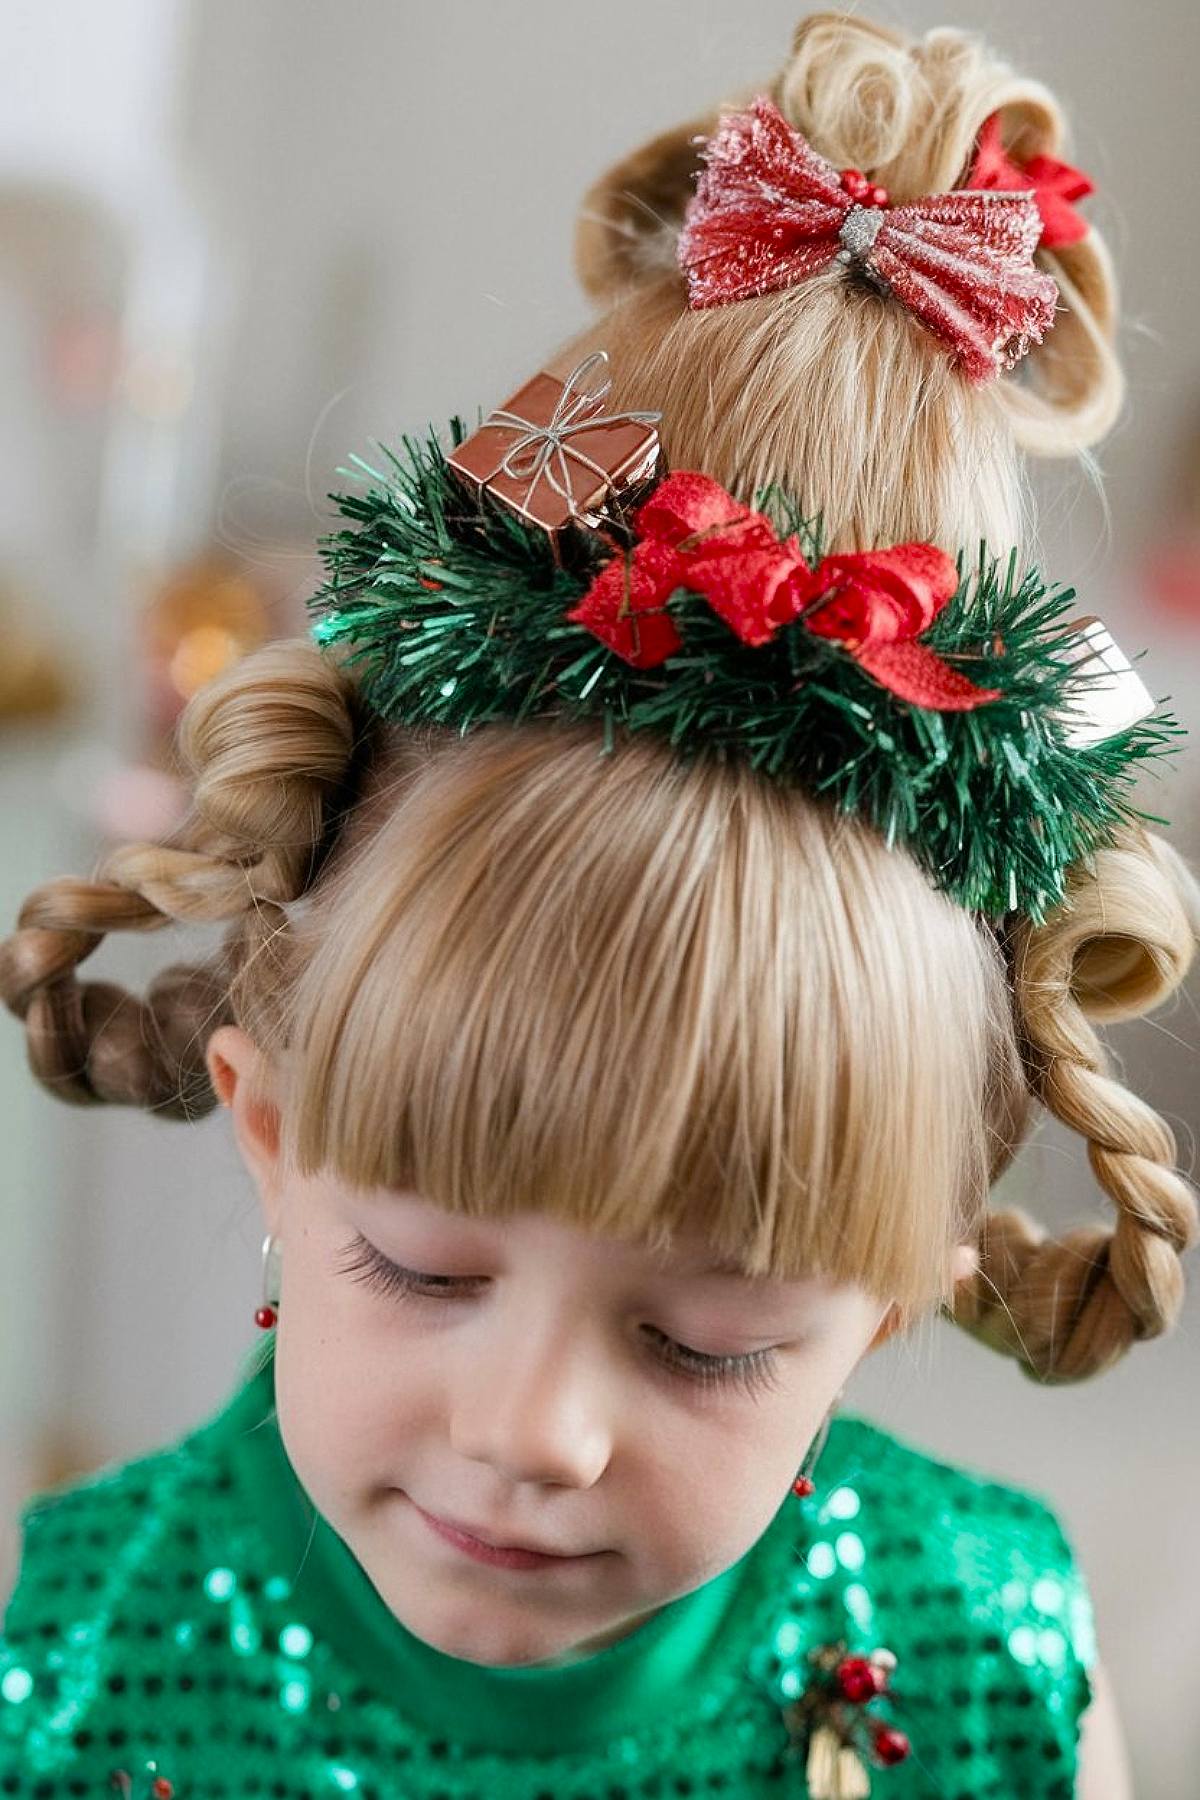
[(455, 611)]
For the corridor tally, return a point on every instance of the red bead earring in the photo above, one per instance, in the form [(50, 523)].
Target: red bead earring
[(267, 1314), (804, 1484)]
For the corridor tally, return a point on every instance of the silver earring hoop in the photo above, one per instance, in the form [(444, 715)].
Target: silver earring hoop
[(804, 1484), (272, 1252)]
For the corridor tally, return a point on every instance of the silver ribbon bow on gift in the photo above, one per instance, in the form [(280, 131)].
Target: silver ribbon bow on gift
[(542, 446)]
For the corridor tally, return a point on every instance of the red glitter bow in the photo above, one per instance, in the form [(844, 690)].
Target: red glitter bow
[(692, 534), (769, 211)]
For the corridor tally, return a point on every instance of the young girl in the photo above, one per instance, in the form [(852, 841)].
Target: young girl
[(608, 1101)]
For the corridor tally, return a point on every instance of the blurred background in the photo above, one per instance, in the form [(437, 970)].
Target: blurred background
[(240, 242)]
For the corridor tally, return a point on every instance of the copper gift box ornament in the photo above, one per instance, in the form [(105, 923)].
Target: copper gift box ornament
[(554, 456)]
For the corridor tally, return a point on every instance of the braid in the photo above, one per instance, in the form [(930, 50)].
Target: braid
[(269, 746), (1121, 943)]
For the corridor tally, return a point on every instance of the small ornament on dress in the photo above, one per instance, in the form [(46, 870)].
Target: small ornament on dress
[(149, 1784), (830, 1722)]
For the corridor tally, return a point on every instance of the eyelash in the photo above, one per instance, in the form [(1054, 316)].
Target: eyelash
[(755, 1372)]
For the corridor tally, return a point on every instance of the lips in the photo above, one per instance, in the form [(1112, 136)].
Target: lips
[(492, 1541), (495, 1543)]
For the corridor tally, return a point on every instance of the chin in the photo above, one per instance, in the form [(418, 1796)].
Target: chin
[(500, 1651)]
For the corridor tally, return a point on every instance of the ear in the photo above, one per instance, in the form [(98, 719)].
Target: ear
[(242, 1080), (965, 1263), (887, 1325)]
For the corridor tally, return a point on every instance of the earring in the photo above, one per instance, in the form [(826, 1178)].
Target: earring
[(804, 1484), (268, 1313)]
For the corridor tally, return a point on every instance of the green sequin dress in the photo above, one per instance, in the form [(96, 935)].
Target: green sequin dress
[(189, 1619)]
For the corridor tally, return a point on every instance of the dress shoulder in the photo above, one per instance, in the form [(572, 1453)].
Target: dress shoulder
[(100, 1561), (974, 1586)]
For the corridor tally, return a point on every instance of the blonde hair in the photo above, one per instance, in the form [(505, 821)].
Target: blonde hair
[(828, 387), (648, 994)]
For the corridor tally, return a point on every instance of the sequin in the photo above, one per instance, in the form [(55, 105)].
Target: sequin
[(294, 1696), (1047, 1594), (850, 1551), (244, 1634), (1015, 1595), (857, 1598), (295, 1640), (1022, 1641), (16, 1686), (219, 1584), (822, 1559)]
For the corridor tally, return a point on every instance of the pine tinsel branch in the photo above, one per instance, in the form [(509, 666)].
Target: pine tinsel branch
[(452, 611)]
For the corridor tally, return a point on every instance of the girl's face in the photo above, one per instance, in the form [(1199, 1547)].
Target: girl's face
[(643, 1417), (545, 1388)]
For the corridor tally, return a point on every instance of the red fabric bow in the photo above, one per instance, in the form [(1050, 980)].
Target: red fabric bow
[(692, 534), (768, 211), (1055, 184)]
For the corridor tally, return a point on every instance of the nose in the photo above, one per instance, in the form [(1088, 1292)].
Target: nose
[(533, 1405)]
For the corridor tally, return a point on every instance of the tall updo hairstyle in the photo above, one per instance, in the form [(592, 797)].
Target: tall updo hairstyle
[(830, 387), (505, 970)]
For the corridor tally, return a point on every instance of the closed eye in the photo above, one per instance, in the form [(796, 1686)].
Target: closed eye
[(755, 1371)]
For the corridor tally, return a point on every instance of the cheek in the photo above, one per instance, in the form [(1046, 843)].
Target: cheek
[(311, 1424), (732, 1469), (347, 1406), (705, 1487)]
